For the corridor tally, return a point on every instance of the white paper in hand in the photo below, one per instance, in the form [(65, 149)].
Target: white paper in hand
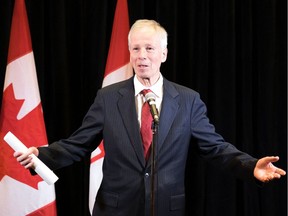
[(40, 168)]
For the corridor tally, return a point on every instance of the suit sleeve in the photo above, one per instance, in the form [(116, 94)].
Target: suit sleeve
[(81, 143), (214, 148)]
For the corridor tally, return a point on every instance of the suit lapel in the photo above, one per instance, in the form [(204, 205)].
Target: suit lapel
[(169, 109), (127, 108)]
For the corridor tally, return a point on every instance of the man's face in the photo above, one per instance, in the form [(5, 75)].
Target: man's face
[(146, 54)]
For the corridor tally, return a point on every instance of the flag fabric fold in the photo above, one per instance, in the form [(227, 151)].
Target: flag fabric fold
[(117, 69), (21, 113)]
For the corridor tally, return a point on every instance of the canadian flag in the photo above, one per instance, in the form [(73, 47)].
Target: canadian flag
[(21, 113), (117, 69)]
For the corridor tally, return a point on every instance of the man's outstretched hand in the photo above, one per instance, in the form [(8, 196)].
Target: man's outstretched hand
[(265, 171)]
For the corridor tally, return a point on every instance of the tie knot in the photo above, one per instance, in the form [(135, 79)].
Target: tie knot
[(145, 91)]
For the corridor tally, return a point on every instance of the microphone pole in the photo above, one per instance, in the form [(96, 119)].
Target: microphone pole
[(150, 98), (154, 128)]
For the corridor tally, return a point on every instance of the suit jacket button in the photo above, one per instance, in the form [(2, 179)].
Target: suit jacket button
[(146, 175)]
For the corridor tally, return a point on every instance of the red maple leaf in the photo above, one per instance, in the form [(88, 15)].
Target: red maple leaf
[(30, 130)]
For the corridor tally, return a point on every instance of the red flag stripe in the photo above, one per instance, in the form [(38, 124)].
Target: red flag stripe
[(20, 32), (118, 55)]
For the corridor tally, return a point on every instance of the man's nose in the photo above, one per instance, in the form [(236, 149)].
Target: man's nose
[(143, 53)]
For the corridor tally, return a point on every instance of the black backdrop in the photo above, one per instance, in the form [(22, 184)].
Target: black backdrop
[(232, 52)]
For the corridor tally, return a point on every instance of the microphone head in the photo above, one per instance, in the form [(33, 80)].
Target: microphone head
[(150, 96), (151, 99)]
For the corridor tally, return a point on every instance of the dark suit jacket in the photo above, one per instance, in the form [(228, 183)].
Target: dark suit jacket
[(125, 188)]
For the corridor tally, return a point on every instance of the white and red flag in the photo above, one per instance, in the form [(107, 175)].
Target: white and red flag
[(21, 113), (117, 69)]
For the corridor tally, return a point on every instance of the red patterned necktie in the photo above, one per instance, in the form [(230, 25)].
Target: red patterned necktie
[(146, 124)]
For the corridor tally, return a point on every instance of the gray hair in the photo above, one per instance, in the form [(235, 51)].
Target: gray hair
[(163, 36)]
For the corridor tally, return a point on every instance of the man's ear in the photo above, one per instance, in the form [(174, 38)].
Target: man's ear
[(164, 55)]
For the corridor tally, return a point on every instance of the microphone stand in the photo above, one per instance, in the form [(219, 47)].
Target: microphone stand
[(154, 128)]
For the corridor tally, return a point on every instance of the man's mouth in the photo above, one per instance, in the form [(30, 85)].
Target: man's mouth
[(142, 66)]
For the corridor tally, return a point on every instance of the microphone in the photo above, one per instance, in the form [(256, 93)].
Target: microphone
[(150, 98)]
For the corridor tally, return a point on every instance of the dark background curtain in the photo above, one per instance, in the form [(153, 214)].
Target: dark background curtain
[(232, 52)]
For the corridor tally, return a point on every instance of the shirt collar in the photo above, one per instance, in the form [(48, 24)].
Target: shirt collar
[(157, 88)]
